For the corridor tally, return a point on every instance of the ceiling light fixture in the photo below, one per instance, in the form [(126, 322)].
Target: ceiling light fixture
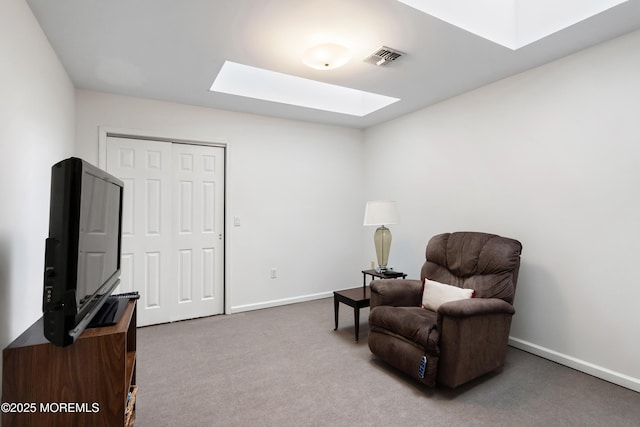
[(326, 56)]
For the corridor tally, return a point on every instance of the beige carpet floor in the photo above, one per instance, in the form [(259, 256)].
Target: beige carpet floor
[(285, 366)]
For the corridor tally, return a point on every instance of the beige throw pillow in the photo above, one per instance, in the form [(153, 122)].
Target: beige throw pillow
[(436, 293)]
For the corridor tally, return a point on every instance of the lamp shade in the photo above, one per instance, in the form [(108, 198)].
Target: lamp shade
[(381, 212)]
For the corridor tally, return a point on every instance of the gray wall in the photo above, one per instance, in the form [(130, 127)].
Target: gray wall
[(295, 186), (36, 130), (550, 157)]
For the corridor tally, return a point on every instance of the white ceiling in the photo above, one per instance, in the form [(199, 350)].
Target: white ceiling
[(172, 50)]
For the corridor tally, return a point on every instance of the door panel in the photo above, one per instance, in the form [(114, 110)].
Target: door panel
[(145, 168), (199, 238)]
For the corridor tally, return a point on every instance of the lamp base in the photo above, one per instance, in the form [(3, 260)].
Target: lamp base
[(382, 240)]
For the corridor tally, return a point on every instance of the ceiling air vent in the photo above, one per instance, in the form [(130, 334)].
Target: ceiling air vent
[(383, 56)]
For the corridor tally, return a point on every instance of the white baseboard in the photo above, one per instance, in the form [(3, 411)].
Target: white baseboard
[(278, 302), (577, 364)]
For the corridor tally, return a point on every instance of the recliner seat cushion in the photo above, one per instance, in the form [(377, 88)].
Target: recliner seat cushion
[(411, 323)]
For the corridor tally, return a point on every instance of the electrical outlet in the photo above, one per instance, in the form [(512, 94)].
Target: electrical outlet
[(274, 273)]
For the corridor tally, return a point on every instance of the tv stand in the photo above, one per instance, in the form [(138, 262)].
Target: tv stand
[(91, 382)]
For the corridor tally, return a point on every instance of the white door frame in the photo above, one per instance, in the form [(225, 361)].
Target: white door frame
[(107, 131)]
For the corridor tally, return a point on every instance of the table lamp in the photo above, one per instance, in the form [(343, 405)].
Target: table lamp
[(381, 212)]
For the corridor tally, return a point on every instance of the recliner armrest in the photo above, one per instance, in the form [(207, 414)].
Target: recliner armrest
[(474, 307), (473, 338), (396, 292)]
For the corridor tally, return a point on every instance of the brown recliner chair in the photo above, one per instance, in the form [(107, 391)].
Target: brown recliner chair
[(463, 339)]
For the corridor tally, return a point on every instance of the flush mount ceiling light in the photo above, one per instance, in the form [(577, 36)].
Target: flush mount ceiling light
[(512, 23), (326, 56), (253, 82)]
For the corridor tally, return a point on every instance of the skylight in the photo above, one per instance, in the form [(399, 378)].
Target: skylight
[(252, 82), (512, 23)]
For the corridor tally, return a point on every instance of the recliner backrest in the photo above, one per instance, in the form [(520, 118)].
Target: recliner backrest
[(486, 263)]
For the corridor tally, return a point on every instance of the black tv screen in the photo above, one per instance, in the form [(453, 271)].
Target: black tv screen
[(82, 253)]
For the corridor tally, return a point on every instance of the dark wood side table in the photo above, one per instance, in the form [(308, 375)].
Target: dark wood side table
[(356, 298), (360, 297), (389, 274)]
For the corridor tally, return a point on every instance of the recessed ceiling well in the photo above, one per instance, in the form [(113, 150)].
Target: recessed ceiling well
[(512, 23), (257, 83)]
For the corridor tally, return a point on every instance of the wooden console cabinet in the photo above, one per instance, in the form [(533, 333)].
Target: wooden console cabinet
[(85, 384)]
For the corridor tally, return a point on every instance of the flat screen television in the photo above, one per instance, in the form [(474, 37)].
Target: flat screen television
[(82, 252)]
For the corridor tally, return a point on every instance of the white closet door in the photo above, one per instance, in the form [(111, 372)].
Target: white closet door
[(172, 237), (198, 240)]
